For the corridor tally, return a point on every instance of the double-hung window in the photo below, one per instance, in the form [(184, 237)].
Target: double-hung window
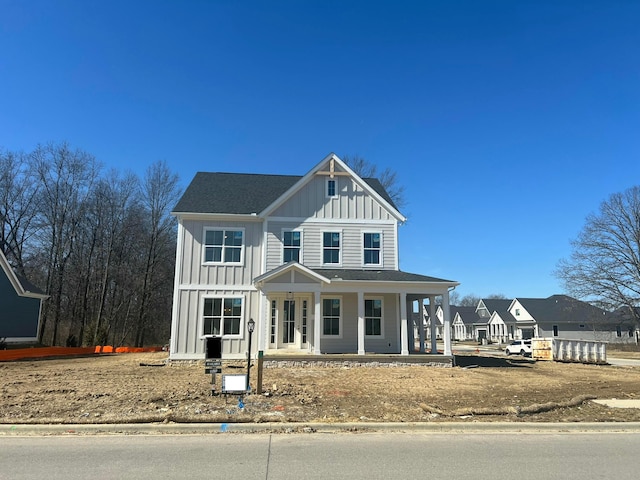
[(373, 317), (223, 246), (371, 248), (291, 245), (331, 316), (222, 316), (331, 247)]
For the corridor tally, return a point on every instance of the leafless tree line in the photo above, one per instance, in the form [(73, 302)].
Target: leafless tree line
[(604, 265), (100, 243)]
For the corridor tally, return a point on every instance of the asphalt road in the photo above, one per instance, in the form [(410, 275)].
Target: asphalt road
[(323, 456)]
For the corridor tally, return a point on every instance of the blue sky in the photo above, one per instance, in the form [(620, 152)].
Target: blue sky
[(507, 122)]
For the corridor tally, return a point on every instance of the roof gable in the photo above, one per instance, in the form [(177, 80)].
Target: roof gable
[(467, 315), (332, 166), (495, 304), (260, 194), (498, 317), (289, 271)]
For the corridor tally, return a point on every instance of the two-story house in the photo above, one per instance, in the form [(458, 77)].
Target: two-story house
[(312, 259)]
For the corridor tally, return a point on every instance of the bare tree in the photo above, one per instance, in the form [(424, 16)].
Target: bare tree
[(17, 207), (66, 177), (159, 193), (388, 177), (604, 265), (102, 246), (472, 300)]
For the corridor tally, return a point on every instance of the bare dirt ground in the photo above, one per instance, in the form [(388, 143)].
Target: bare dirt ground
[(131, 388)]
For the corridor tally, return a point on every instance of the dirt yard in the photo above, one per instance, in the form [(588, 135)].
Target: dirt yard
[(130, 388)]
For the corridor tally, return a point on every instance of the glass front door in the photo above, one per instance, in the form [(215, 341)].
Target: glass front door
[(289, 322)]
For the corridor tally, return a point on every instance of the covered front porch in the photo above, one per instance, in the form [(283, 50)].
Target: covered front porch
[(346, 312)]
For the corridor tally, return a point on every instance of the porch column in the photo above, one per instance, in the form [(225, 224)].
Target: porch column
[(317, 320), (262, 321), (421, 324), (360, 323), (447, 323), (411, 330), (434, 328), (404, 325)]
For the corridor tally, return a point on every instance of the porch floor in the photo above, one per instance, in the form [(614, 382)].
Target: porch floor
[(413, 358)]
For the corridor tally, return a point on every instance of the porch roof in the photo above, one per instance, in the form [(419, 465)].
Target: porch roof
[(377, 276)]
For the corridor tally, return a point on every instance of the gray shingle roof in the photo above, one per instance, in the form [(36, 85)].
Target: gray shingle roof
[(376, 275), (468, 314), (242, 193), (496, 304), (561, 308)]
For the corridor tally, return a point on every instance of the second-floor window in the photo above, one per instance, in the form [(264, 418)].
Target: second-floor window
[(331, 247), (371, 249), (291, 244), (223, 246)]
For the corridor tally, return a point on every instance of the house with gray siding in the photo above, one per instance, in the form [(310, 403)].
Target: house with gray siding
[(312, 259), (561, 316), (21, 306)]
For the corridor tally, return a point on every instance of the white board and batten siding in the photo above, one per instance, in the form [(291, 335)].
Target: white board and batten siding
[(351, 203), (195, 272), (196, 280), (353, 213)]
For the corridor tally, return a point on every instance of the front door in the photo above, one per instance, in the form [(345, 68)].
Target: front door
[(294, 319), (289, 323)]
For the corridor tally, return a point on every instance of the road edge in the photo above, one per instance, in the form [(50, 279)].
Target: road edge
[(307, 428)]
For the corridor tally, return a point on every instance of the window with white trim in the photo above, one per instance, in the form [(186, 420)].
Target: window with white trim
[(371, 248), (555, 330), (222, 316), (274, 320), (373, 317), (332, 190), (331, 247), (305, 316), (223, 246), (291, 245), (331, 316)]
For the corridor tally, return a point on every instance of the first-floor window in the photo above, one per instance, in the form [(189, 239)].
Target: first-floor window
[(373, 317), (222, 316), (331, 316), (555, 330)]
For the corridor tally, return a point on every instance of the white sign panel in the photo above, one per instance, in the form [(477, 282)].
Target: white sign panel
[(234, 383)]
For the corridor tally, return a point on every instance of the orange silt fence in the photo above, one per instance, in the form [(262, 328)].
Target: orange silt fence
[(22, 353), (48, 352)]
